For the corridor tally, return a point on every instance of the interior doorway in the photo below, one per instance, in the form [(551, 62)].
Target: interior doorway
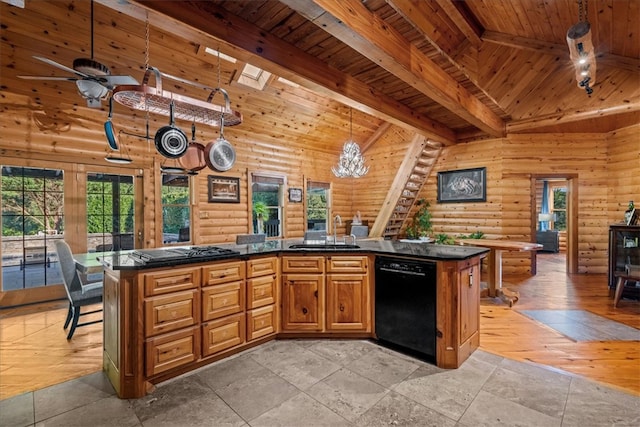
[(553, 217)]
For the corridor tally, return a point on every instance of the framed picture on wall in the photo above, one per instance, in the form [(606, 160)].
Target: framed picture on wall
[(295, 195), (463, 185), (223, 189)]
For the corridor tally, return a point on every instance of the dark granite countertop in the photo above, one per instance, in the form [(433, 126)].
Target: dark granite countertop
[(426, 251)]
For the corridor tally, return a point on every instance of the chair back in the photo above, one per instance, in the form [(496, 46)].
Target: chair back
[(68, 266)]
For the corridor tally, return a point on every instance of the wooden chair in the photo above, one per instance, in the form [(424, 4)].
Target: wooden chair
[(623, 277), (79, 293)]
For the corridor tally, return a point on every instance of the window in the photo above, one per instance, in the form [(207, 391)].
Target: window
[(176, 208), (317, 205), (559, 209), (32, 219), (110, 212), (267, 200)]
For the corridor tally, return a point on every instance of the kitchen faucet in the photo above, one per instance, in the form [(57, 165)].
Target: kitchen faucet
[(336, 220)]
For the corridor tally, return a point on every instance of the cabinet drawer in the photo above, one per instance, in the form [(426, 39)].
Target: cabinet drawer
[(262, 291), (262, 266), (347, 264), (223, 272), (222, 300), (303, 264), (171, 350), (222, 334), (170, 312), (261, 322), (172, 280)]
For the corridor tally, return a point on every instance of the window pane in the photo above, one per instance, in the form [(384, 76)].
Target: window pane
[(32, 219), (317, 205), (176, 208), (109, 212)]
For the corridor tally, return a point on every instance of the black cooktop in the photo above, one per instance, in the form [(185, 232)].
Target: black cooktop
[(205, 253)]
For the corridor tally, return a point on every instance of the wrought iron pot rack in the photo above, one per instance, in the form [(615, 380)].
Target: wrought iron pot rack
[(156, 100)]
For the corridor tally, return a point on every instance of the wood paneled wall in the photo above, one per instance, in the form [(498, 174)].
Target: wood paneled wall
[(607, 166), (608, 170), (623, 171)]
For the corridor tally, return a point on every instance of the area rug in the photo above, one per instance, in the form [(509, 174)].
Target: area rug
[(581, 325)]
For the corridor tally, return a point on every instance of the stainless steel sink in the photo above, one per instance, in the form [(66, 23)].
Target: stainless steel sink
[(323, 246)]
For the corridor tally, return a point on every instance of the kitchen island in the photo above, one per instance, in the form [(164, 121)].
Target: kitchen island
[(167, 316)]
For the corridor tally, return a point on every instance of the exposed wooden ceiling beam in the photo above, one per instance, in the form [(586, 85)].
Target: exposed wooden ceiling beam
[(352, 23), (570, 116), (418, 13), (559, 50), (454, 12), (384, 127), (211, 24)]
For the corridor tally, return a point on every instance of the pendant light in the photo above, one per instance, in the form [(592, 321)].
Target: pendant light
[(581, 49), (351, 163)]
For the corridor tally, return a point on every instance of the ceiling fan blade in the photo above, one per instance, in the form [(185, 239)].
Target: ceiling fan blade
[(118, 80), (69, 79), (62, 67)]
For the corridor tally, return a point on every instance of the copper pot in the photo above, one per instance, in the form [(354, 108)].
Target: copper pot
[(193, 159)]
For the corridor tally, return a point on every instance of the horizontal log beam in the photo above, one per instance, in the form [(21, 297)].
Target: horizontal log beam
[(570, 116)]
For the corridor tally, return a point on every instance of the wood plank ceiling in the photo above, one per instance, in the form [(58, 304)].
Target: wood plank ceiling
[(452, 70)]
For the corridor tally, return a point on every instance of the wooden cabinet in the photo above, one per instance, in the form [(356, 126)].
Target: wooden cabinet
[(222, 300), (458, 311), (303, 302), (262, 297), (170, 312), (348, 297), (338, 301), (170, 280), (624, 248)]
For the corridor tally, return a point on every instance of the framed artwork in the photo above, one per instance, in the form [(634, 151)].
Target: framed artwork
[(223, 189), (463, 185), (295, 195)]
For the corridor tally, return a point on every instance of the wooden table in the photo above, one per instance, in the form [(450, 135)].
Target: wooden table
[(494, 279)]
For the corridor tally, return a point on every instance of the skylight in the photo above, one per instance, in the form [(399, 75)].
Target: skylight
[(215, 53), (254, 77)]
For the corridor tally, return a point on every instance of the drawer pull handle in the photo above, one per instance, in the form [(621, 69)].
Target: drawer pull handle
[(341, 307), (304, 310)]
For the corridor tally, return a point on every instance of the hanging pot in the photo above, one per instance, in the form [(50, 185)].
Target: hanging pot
[(108, 128), (193, 160), (171, 141), (219, 154)]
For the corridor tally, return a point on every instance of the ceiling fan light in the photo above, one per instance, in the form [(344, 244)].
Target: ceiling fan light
[(91, 89)]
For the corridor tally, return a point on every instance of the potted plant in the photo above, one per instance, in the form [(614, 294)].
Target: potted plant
[(261, 211), (420, 225)]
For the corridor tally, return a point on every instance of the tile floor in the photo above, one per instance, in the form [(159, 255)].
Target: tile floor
[(335, 383)]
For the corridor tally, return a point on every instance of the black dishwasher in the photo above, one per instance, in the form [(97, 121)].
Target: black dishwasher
[(405, 305)]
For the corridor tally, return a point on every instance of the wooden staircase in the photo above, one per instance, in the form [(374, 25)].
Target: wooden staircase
[(412, 174)]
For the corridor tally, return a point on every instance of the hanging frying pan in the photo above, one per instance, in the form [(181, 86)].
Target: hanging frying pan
[(171, 141), (108, 128), (220, 154), (193, 160)]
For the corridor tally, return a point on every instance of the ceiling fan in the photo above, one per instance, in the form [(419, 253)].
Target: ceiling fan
[(94, 80)]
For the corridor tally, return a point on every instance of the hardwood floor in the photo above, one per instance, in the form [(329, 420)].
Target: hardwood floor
[(34, 352)]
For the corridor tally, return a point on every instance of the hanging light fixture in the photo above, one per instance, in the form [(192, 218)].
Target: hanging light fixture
[(351, 163), (581, 49)]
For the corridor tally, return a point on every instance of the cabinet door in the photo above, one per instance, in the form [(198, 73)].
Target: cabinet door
[(347, 302), (222, 334), (469, 302), (261, 322), (261, 291), (171, 350), (262, 266), (303, 302), (170, 312)]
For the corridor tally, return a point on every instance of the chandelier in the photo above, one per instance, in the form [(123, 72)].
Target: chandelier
[(351, 163), (581, 49)]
